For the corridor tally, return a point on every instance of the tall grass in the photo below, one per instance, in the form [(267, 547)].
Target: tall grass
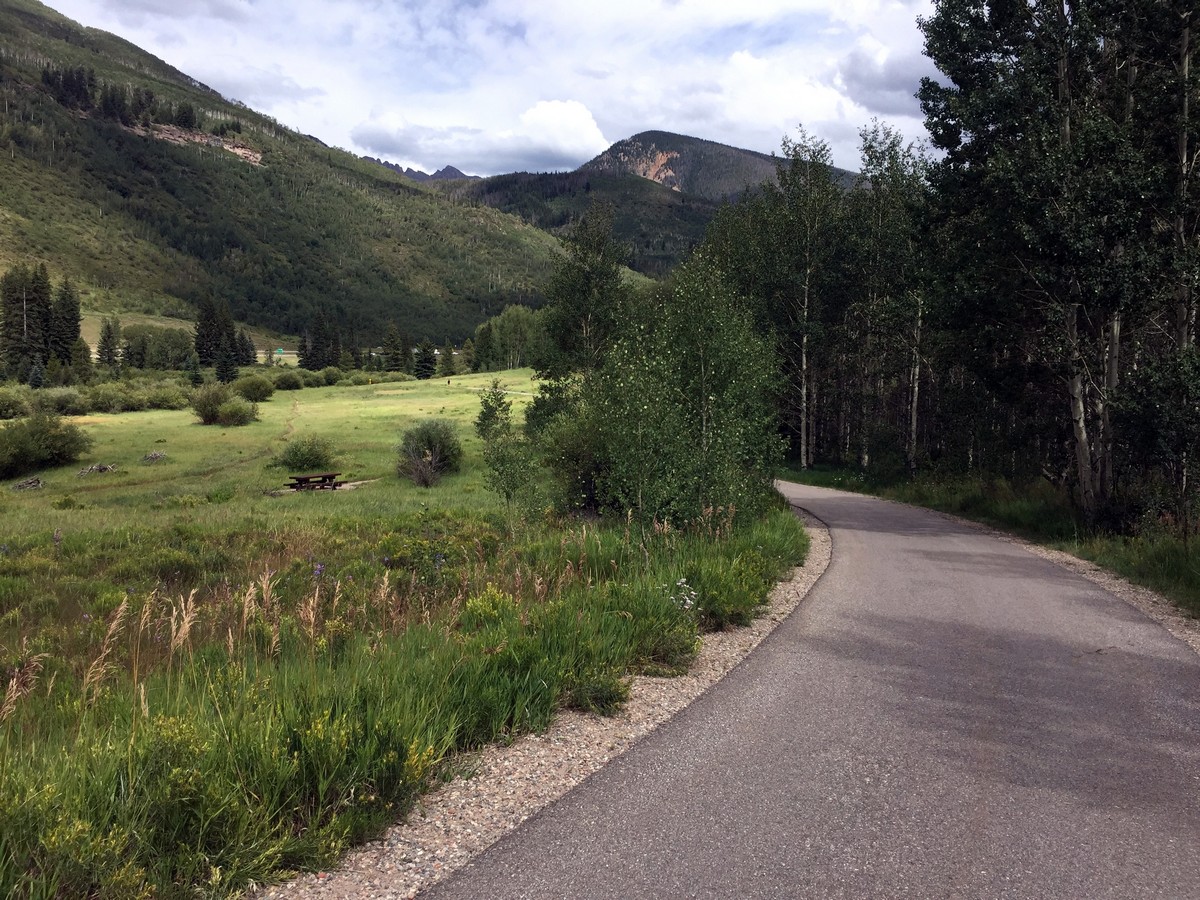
[(217, 741)]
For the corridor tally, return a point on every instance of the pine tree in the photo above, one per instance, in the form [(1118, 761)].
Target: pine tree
[(247, 355), (109, 345), (447, 365), (81, 360), (394, 351), (226, 363), (193, 371), (466, 356), (64, 321), (208, 331), (425, 364)]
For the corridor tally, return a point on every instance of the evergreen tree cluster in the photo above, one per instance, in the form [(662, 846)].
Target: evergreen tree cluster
[(219, 343), (78, 88), (321, 346), (39, 327)]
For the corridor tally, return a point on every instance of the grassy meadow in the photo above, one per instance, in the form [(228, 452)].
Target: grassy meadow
[(210, 682)]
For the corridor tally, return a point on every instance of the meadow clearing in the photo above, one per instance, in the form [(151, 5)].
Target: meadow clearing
[(214, 680)]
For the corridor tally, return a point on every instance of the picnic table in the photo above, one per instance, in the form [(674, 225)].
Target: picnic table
[(323, 481)]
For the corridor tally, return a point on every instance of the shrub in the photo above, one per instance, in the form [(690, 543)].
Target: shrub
[(13, 403), (237, 411), (115, 397), (306, 453), (207, 401), (312, 379), (64, 401), (255, 388), (166, 396), (288, 380), (39, 441), (331, 374), (429, 450)]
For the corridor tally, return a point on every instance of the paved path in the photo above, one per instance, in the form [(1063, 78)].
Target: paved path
[(947, 715)]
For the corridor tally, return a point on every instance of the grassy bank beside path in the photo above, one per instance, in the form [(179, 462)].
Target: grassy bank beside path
[(209, 683)]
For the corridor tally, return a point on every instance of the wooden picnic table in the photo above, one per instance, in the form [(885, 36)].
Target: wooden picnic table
[(322, 481)]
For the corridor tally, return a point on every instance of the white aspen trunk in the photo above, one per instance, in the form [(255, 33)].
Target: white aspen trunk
[(1112, 374), (812, 427), (1075, 393), (915, 393), (1185, 303), (805, 437)]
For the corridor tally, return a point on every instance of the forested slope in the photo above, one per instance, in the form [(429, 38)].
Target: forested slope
[(152, 192)]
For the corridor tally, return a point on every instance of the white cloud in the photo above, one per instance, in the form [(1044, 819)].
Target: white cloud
[(497, 85)]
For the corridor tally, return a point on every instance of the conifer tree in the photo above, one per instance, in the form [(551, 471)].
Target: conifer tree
[(81, 359), (226, 363), (425, 364), (64, 321), (395, 352), (109, 345), (447, 365)]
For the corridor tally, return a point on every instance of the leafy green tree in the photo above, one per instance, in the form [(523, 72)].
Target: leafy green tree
[(495, 411), (467, 355), (487, 357), (584, 296), (517, 336), (1158, 411), (1042, 188), (679, 380)]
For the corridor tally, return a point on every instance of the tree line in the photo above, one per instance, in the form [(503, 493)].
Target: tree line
[(1023, 302)]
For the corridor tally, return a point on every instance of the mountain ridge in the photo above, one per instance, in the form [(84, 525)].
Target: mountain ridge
[(153, 192)]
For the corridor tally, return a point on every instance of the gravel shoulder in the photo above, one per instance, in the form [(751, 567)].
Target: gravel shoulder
[(505, 785)]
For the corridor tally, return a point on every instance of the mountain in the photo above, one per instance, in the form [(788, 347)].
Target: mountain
[(152, 191), (658, 225), (447, 173), (689, 165)]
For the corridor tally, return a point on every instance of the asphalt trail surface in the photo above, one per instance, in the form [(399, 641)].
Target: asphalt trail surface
[(946, 715)]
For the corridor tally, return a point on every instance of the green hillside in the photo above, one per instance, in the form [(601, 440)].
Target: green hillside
[(657, 224), (690, 165), (152, 191)]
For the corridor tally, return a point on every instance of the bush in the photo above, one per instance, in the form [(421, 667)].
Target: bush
[(237, 411), (255, 388), (307, 453), (63, 401), (312, 379), (429, 450), (13, 403), (115, 397), (207, 401), (331, 374), (288, 380), (166, 396), (40, 441)]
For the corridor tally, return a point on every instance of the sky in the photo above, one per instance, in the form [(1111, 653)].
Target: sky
[(492, 86)]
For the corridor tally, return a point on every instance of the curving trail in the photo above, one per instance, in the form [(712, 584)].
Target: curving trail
[(946, 715)]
